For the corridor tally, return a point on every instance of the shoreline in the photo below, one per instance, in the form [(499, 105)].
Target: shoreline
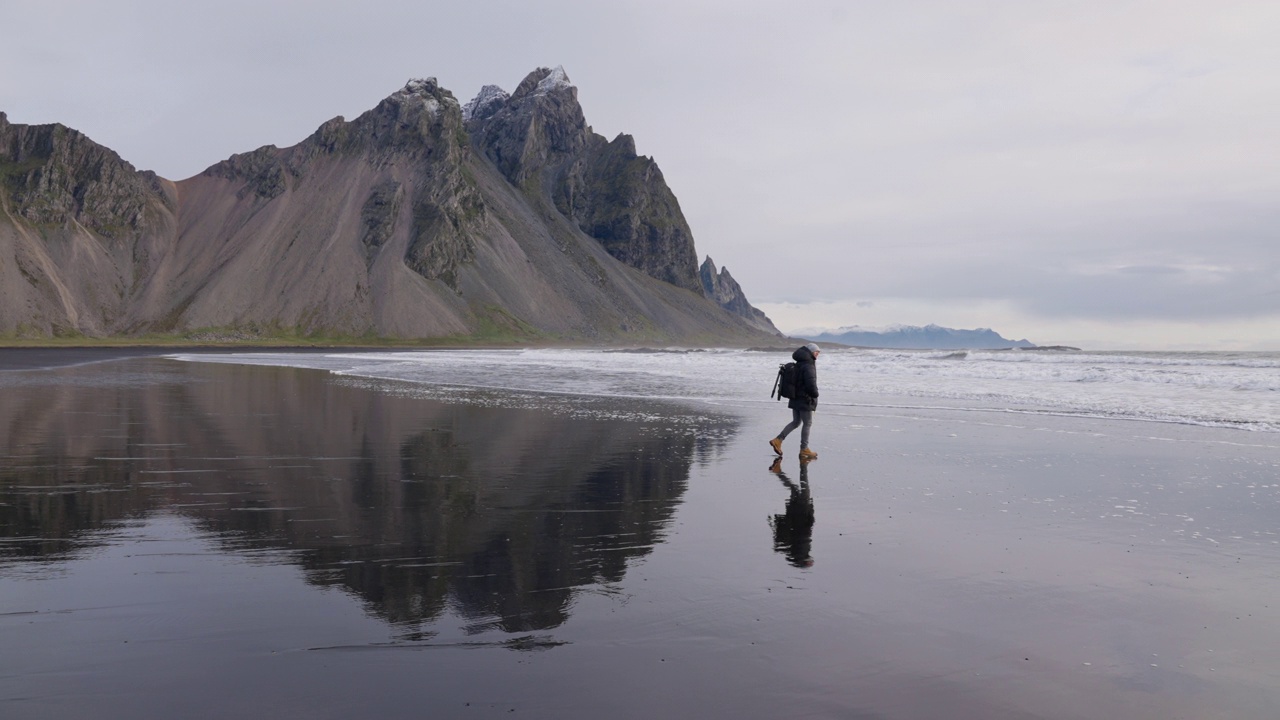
[(13, 355), (50, 358), (849, 387)]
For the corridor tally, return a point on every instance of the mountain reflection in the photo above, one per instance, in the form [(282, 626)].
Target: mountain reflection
[(418, 507)]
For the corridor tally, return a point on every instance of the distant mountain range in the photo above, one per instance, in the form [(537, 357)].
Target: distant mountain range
[(504, 219), (929, 337)]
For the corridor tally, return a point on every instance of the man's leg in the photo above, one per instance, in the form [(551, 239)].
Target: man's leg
[(776, 443), (805, 417), (797, 417)]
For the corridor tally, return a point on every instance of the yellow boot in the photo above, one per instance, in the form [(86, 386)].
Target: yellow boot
[(807, 454)]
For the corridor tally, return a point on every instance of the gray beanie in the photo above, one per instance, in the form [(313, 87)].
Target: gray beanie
[(813, 347)]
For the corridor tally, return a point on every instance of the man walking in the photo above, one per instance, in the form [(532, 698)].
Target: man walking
[(804, 402)]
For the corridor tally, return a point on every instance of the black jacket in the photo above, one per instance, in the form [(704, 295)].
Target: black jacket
[(806, 381)]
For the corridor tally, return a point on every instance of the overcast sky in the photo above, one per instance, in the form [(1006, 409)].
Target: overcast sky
[(1100, 174)]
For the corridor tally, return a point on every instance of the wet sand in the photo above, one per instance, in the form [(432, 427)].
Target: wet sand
[(192, 540), (36, 358), (47, 358)]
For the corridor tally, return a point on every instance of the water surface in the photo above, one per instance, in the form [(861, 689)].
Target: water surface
[(191, 539)]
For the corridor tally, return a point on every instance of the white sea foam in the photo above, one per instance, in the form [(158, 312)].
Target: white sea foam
[(1238, 390)]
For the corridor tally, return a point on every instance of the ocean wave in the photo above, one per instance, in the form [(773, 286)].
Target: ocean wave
[(1260, 361), (1215, 391)]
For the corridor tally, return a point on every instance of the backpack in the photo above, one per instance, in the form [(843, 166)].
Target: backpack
[(784, 386)]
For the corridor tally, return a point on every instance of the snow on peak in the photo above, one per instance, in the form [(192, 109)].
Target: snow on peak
[(421, 90), (865, 329), (418, 86), (554, 80), (488, 96)]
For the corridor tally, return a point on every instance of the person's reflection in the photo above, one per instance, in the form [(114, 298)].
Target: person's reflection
[(793, 529)]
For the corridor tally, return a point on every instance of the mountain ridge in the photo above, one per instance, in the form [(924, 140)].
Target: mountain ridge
[(417, 219), (927, 337)]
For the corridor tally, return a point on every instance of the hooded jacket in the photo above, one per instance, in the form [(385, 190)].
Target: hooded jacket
[(806, 381)]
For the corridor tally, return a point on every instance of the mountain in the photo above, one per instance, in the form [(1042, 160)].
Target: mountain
[(506, 219), (923, 338)]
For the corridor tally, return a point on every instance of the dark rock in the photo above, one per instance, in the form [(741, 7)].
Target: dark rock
[(261, 171), (421, 118), (623, 201), (535, 133), (540, 140), (727, 293), (379, 214), (53, 175), (489, 101), (440, 242), (425, 121)]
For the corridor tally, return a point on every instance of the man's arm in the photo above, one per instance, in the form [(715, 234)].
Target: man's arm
[(811, 381)]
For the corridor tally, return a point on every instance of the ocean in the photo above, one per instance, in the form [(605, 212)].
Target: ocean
[(1228, 390)]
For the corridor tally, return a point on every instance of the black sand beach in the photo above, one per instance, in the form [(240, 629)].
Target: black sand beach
[(204, 541), (37, 358)]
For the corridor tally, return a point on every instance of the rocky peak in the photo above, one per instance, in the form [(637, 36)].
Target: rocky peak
[(423, 94), (554, 81), (53, 175), (539, 139), (421, 119), (426, 121), (625, 145), (727, 293), (420, 112), (622, 200), (546, 81), (418, 129), (534, 132), (263, 172), (488, 101)]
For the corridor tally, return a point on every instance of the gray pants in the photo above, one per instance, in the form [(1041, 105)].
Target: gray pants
[(799, 417)]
